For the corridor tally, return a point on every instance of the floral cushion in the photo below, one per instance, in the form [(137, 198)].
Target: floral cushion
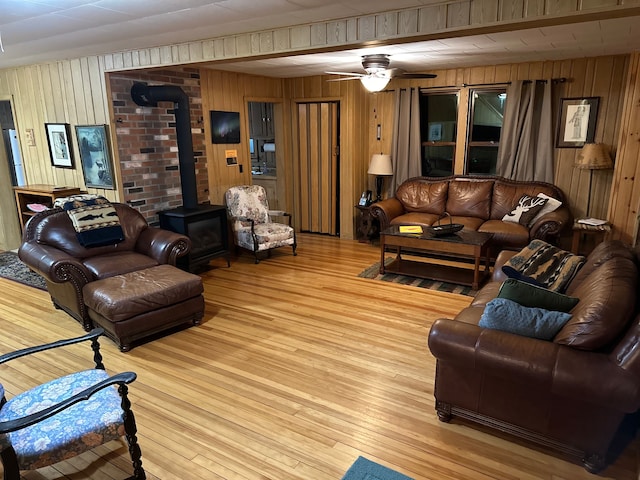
[(77, 429), (248, 201), (269, 235)]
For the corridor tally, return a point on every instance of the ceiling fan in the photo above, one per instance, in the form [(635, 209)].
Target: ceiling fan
[(378, 74)]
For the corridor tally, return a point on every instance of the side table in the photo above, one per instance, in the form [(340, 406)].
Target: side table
[(580, 229), (367, 227)]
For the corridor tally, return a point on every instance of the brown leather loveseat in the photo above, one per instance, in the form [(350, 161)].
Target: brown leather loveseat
[(477, 202), (130, 288), (571, 393)]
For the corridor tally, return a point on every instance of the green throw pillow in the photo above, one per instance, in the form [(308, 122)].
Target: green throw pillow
[(529, 295), (508, 316)]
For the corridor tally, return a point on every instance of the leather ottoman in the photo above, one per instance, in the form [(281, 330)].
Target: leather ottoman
[(138, 304)]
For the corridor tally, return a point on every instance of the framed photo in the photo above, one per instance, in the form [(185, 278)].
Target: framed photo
[(58, 139), (577, 123), (225, 127), (93, 145)]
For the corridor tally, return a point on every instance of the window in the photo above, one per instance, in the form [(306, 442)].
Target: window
[(484, 128), (439, 116)]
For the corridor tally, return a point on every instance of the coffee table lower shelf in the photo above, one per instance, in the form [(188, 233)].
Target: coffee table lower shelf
[(433, 271)]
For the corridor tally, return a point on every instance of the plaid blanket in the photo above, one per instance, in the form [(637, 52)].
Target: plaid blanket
[(544, 265), (94, 219)]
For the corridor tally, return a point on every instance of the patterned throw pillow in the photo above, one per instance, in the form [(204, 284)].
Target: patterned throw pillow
[(526, 209), (551, 206)]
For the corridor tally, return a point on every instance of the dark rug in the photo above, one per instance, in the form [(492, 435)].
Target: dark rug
[(364, 469), (374, 272), (13, 269)]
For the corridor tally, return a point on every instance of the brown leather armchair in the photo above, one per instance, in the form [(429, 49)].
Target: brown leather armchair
[(50, 247)]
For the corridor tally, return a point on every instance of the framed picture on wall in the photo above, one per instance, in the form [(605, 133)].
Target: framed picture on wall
[(577, 123), (93, 145), (58, 135)]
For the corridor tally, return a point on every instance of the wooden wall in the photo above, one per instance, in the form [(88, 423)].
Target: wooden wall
[(603, 77), (70, 91), (74, 92), (230, 91)]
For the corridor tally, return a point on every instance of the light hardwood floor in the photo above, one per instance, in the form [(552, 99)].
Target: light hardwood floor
[(298, 368)]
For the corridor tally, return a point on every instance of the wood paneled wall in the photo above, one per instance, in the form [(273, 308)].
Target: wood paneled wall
[(71, 91), (74, 92), (230, 91), (603, 77)]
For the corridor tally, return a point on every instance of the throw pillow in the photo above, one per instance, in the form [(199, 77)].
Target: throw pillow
[(529, 295), (551, 206), (527, 208), (509, 316), (545, 265)]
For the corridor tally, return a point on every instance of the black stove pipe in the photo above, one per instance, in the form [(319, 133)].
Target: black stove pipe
[(149, 96)]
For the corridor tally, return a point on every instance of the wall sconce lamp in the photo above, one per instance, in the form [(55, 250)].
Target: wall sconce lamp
[(380, 166), (593, 156)]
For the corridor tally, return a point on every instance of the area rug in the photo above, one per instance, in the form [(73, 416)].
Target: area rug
[(374, 272), (13, 269), (364, 469)]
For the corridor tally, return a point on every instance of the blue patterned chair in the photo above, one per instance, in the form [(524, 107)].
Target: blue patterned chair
[(251, 225), (66, 416)]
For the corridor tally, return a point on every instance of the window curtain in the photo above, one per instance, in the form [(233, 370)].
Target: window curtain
[(406, 148), (526, 143)]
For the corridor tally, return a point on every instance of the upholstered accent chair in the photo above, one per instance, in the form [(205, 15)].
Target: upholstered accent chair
[(66, 416), (251, 224)]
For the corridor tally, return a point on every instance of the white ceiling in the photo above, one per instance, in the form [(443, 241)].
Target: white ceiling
[(34, 31)]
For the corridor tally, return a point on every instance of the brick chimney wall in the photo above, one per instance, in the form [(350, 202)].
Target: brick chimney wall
[(147, 145)]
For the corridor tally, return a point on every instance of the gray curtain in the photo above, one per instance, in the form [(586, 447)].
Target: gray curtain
[(406, 148), (526, 142)]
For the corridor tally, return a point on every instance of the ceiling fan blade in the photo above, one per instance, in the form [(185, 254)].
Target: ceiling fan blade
[(344, 78), (400, 73), (416, 75), (350, 74)]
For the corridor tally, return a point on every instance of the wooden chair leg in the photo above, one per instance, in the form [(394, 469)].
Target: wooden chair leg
[(130, 434), (10, 464)]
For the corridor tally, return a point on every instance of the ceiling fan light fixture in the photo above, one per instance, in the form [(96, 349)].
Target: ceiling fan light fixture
[(375, 83)]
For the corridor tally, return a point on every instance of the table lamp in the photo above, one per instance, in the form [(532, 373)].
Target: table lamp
[(593, 156), (380, 166)]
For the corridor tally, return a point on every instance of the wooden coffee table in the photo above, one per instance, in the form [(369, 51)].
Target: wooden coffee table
[(465, 244)]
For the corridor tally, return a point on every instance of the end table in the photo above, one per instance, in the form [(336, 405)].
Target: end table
[(580, 229), (367, 227)]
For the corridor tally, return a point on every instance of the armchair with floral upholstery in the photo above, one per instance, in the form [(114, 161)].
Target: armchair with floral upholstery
[(251, 224), (66, 416)]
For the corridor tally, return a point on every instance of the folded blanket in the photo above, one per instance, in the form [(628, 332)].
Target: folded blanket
[(544, 265), (94, 219)]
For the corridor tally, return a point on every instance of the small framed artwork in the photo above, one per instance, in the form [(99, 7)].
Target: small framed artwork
[(225, 127), (93, 144), (577, 123), (58, 139)]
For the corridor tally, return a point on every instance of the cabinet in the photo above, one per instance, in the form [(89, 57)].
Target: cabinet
[(261, 119), (39, 194), (270, 186)]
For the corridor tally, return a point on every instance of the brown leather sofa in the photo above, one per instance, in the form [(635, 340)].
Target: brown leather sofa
[(51, 248), (572, 393), (477, 202)]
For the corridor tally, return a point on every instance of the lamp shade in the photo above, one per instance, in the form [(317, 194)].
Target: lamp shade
[(594, 156), (380, 165), (375, 83)]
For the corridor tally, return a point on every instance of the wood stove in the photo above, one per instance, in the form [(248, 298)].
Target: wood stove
[(204, 224), (206, 227)]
